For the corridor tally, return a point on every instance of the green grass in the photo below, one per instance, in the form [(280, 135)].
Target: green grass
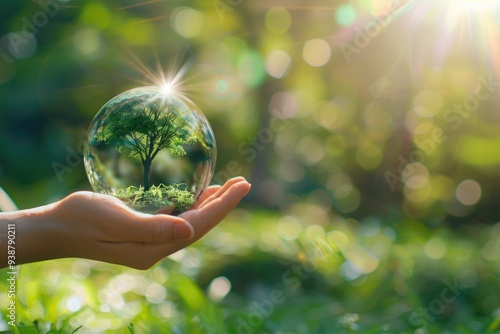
[(157, 197), (289, 273)]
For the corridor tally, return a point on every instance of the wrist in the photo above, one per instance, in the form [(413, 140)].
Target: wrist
[(31, 232)]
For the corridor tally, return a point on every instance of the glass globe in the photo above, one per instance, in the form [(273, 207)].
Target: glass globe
[(151, 148)]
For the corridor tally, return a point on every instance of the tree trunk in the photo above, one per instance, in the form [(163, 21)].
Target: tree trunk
[(147, 173)]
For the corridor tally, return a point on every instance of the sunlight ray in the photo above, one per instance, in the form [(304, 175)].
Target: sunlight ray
[(145, 3)]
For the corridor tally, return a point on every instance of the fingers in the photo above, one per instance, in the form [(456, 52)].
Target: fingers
[(221, 190), (206, 194), (216, 207)]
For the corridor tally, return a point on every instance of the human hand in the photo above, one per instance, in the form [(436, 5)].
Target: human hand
[(101, 227)]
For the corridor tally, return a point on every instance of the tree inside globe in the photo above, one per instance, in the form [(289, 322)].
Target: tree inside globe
[(152, 148)]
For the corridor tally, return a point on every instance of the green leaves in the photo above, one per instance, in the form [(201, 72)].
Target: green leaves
[(146, 128)]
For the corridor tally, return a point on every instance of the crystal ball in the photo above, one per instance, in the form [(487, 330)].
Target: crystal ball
[(152, 148)]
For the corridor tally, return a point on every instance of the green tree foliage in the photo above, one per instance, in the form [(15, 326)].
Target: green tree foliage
[(145, 129)]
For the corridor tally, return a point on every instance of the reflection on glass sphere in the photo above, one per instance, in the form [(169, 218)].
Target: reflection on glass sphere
[(151, 148)]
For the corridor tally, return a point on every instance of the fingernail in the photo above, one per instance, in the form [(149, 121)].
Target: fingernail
[(183, 232)]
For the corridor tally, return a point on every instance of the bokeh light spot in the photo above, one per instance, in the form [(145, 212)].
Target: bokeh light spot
[(311, 149), (251, 68), (316, 52), (87, 40), (416, 175), (349, 271), (278, 20), (435, 248), (188, 22), (347, 198), (219, 288), (315, 231), (419, 195), (428, 103), (369, 155), (167, 309), (155, 293), (491, 251), (495, 231), (345, 15), (112, 298), (361, 259), (339, 239), (283, 105), (73, 304), (292, 170), (468, 192), (289, 228), (278, 63), (335, 114), (222, 86)]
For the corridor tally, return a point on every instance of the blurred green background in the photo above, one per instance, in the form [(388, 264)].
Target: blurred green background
[(369, 130)]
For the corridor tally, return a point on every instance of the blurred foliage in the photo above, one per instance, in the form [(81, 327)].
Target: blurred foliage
[(368, 126), (343, 276)]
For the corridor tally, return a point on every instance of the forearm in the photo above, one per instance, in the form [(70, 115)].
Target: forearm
[(26, 236)]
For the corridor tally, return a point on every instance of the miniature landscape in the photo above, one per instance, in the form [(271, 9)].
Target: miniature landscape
[(160, 196)]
